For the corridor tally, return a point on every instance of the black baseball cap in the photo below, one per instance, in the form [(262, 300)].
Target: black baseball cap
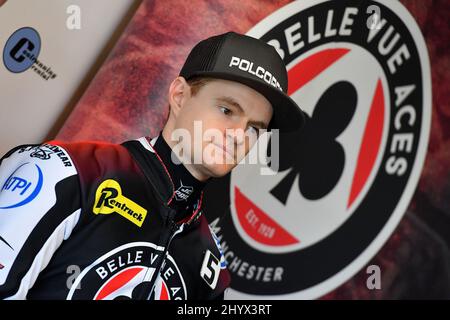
[(250, 61)]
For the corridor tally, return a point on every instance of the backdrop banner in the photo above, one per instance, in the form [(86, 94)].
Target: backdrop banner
[(358, 208)]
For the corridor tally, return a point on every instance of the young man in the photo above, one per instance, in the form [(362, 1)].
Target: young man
[(92, 220)]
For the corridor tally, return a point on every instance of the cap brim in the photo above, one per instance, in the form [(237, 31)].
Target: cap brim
[(287, 115)]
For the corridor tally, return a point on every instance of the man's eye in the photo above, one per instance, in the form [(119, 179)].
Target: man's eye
[(225, 110), (253, 130)]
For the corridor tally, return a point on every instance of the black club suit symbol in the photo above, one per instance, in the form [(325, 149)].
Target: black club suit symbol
[(313, 151)]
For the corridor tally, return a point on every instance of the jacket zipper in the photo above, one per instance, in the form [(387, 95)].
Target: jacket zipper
[(174, 229)]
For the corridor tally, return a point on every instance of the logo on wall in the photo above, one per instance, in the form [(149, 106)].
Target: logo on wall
[(360, 71), (122, 273), (21, 53)]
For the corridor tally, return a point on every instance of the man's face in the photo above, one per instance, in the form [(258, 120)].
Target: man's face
[(223, 119)]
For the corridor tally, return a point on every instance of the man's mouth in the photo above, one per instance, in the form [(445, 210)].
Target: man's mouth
[(225, 151)]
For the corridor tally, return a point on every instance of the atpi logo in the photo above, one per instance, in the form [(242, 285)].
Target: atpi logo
[(109, 199), (123, 272), (360, 71), (22, 186)]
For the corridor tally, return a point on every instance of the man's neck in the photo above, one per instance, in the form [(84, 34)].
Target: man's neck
[(166, 134), (187, 187)]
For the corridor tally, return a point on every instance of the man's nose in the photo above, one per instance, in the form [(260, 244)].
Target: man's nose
[(236, 135)]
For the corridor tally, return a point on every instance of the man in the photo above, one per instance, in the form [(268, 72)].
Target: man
[(91, 220)]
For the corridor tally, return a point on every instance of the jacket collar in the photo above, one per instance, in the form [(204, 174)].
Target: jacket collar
[(158, 175)]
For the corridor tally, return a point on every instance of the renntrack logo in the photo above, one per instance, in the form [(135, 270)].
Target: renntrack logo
[(109, 199)]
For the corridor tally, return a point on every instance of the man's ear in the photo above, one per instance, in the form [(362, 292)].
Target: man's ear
[(179, 92)]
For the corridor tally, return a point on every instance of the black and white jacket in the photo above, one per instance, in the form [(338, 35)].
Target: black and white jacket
[(92, 220)]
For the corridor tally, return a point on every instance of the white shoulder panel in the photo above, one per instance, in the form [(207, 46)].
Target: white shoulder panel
[(27, 191)]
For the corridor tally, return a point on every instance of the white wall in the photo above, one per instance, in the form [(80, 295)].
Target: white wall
[(29, 105)]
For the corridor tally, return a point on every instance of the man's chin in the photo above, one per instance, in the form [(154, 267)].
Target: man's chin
[(219, 170)]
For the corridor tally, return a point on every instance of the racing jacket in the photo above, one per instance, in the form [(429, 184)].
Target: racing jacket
[(90, 220)]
